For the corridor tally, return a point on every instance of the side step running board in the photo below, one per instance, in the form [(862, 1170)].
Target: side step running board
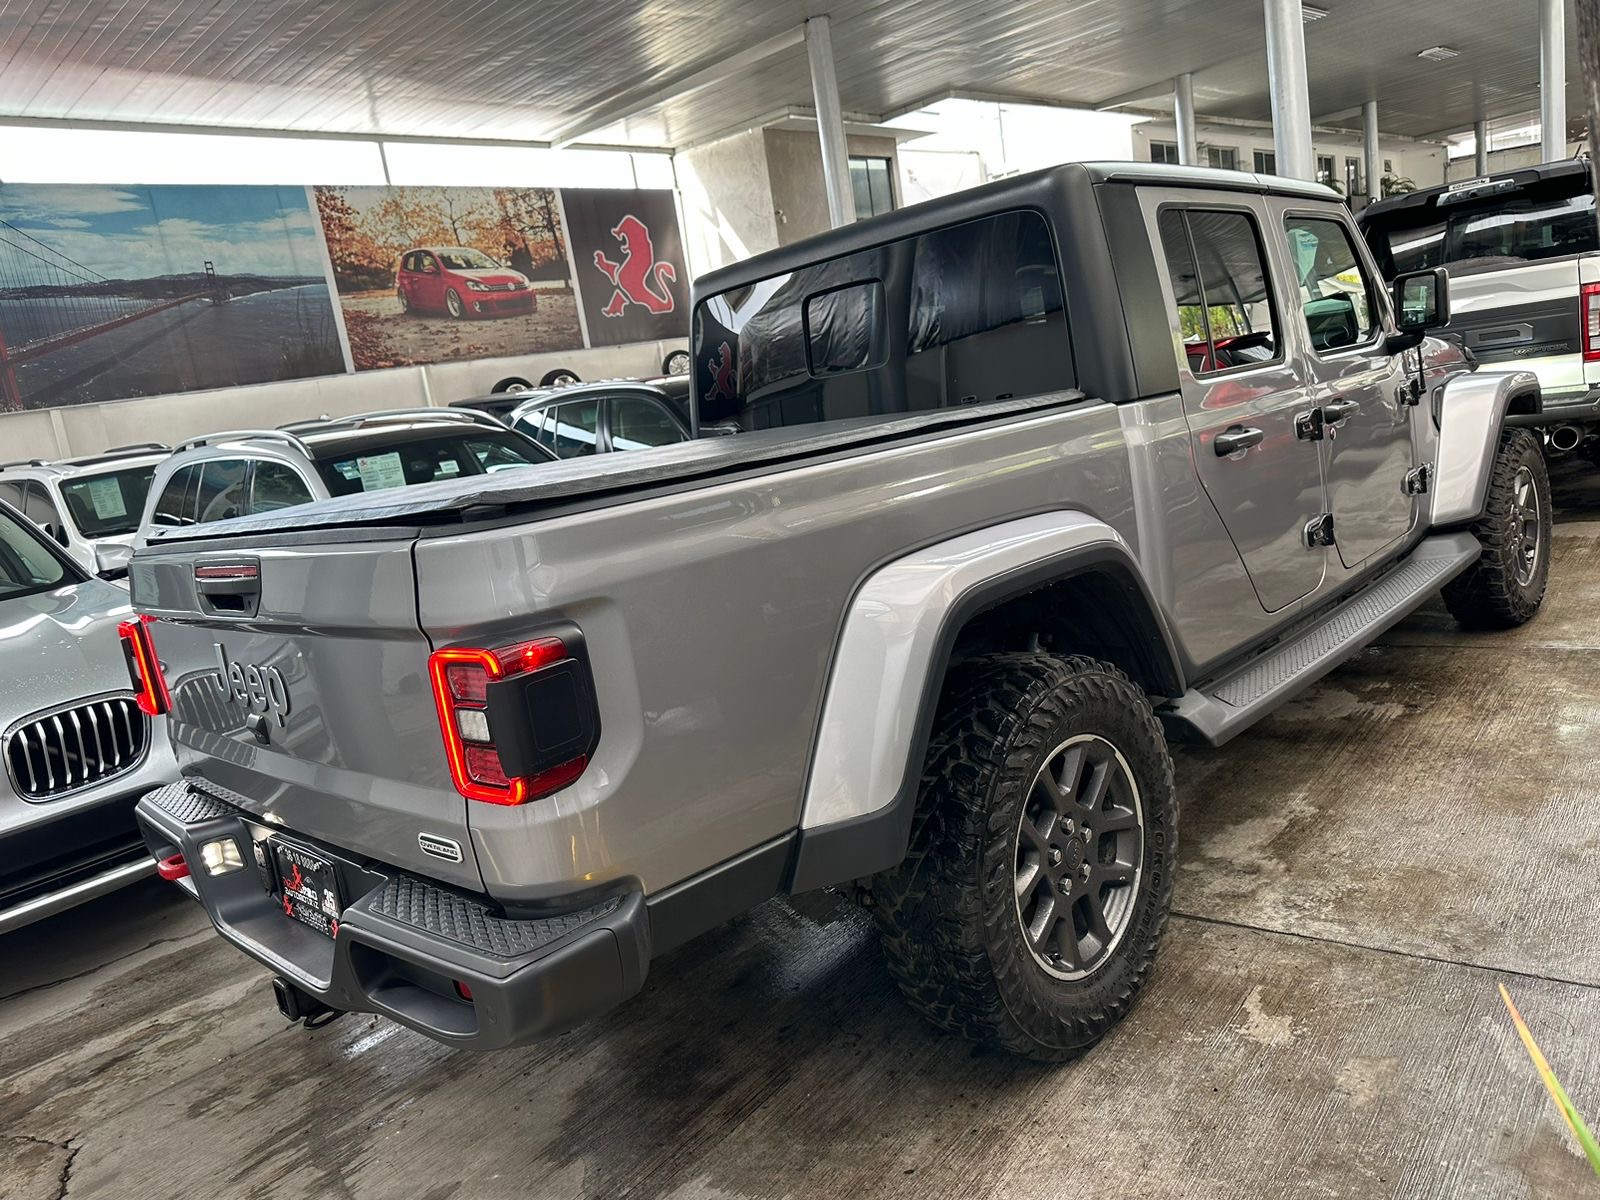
[(1231, 704)]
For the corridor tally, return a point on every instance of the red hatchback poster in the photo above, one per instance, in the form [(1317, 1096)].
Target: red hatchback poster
[(429, 274)]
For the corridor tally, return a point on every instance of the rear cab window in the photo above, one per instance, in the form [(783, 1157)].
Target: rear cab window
[(959, 316)]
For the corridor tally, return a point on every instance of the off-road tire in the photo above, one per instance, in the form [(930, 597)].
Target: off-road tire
[(1489, 594), (948, 914)]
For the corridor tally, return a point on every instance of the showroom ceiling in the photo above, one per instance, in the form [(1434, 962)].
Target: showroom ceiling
[(524, 70)]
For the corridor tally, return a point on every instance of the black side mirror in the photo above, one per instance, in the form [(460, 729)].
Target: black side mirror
[(1421, 305)]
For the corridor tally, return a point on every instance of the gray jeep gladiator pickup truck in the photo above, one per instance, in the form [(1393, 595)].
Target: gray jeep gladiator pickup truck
[(1028, 479)]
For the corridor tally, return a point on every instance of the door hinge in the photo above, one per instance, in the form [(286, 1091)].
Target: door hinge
[(1308, 425), (1319, 531), (1418, 479)]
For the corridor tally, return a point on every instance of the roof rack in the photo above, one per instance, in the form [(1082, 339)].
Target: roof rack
[(243, 435), (391, 416), (24, 462), (118, 452)]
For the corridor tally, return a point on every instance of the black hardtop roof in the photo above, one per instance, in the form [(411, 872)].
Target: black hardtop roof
[(1031, 190), (1522, 176)]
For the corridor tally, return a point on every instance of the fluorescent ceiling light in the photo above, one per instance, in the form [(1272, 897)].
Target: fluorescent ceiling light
[(1438, 53)]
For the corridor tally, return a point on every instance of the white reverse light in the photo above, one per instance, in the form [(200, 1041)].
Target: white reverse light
[(222, 856)]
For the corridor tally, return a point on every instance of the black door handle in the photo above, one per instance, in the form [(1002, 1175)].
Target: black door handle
[(1236, 439), (1339, 410)]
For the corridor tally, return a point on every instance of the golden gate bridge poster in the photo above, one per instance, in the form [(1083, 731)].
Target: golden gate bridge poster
[(111, 292)]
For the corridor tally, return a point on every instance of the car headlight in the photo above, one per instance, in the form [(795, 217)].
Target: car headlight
[(474, 285)]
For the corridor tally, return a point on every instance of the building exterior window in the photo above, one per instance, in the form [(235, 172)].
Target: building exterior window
[(1325, 169), (1164, 152), (870, 181), (1352, 177), (1225, 158), (1266, 162)]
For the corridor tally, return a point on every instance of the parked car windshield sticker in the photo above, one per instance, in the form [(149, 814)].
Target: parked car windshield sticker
[(105, 494), (379, 471)]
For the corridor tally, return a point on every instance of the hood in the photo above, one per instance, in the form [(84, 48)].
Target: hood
[(498, 275), (56, 647)]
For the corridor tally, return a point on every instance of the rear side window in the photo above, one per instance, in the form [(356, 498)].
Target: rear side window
[(964, 315), (277, 485), (637, 424), (571, 431), (1336, 297), (1222, 288), (173, 505), (222, 489)]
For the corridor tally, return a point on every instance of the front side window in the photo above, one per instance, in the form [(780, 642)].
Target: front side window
[(107, 504), (173, 505), (980, 305), (277, 485), (637, 424), (572, 430), (1222, 289), (1336, 297), (26, 565)]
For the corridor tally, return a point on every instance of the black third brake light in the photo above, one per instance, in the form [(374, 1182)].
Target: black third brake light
[(519, 722)]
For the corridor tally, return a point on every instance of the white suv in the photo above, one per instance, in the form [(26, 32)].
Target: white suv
[(247, 471), (90, 506)]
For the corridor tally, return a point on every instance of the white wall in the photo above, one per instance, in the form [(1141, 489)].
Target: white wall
[(726, 194), (1421, 162)]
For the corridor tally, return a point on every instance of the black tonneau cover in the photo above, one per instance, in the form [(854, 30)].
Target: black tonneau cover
[(553, 484)]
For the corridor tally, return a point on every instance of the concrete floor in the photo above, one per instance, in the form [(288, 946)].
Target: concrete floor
[(1359, 872)]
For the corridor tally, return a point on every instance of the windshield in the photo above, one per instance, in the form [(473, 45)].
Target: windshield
[(467, 260), (375, 466), (1498, 230), (26, 565), (109, 504)]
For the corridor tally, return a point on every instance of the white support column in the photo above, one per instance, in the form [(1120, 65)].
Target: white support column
[(1372, 150), (830, 123), (1553, 79), (1291, 99), (1480, 142), (1183, 115)]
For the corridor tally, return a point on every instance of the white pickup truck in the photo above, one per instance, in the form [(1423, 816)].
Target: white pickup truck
[(1523, 253)]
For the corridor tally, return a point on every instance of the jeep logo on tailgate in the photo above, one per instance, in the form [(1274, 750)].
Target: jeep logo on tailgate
[(260, 689)]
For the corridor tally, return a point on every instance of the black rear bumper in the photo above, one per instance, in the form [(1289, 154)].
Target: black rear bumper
[(431, 958)]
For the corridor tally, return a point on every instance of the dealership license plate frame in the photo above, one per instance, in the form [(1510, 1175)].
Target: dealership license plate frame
[(306, 886)]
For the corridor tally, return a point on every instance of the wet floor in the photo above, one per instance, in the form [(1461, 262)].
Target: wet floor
[(1359, 873)]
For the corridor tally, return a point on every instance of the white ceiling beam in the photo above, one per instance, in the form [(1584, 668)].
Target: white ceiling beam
[(641, 100)]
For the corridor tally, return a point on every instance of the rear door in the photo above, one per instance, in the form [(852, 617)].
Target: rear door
[(306, 699), (1241, 388), (1358, 394)]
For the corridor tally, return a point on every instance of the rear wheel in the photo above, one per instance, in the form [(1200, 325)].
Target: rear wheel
[(1028, 909), (676, 363), (512, 383), (560, 377), (1505, 587)]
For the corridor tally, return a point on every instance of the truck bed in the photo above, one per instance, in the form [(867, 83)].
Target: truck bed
[(602, 478)]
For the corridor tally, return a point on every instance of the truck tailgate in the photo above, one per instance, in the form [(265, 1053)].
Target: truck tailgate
[(302, 693), (1522, 317)]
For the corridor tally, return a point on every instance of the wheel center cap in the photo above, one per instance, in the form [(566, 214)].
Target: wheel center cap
[(1072, 855)]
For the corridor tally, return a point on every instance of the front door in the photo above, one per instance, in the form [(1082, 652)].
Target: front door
[(1241, 392), (1360, 392)]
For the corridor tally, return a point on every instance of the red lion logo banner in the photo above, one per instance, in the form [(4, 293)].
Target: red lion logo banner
[(638, 278), (724, 385)]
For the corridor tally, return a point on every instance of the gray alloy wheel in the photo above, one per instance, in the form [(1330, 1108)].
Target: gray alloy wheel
[(1079, 856), (452, 301), (1525, 525)]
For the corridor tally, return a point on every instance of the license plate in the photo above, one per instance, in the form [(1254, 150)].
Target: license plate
[(307, 888)]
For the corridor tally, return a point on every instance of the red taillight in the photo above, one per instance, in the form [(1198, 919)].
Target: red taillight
[(461, 677), (144, 668), (1589, 302)]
